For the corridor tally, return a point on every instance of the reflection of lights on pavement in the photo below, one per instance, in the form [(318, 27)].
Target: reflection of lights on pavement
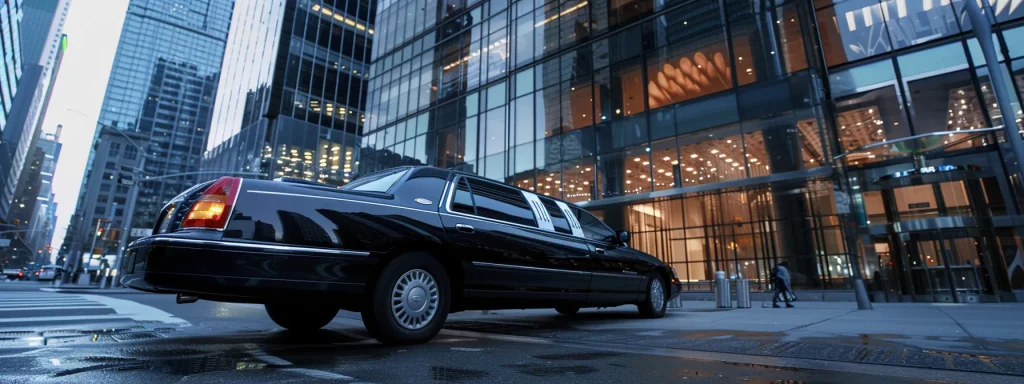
[(34, 341)]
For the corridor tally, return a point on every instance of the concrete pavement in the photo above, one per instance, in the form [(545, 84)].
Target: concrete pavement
[(966, 337)]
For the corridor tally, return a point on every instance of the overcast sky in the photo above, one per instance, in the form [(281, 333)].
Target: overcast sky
[(93, 28)]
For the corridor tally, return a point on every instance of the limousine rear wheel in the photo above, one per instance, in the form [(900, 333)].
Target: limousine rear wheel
[(410, 301), (656, 302), (300, 317)]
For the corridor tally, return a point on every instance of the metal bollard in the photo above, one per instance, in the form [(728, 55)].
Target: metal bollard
[(742, 293), (722, 297)]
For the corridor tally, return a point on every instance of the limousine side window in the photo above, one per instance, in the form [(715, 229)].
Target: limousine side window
[(593, 228), (463, 201), (557, 217), (496, 201)]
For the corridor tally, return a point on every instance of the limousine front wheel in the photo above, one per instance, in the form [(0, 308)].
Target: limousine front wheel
[(409, 303), (656, 302)]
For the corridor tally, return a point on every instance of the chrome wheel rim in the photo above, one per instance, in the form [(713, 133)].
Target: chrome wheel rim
[(657, 294), (414, 299)]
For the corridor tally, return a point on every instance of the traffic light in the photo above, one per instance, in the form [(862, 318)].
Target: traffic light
[(99, 232), (16, 222)]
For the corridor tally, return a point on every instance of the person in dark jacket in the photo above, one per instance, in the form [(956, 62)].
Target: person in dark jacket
[(780, 275)]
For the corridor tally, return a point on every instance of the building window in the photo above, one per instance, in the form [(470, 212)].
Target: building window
[(712, 156), (769, 44), (852, 30), (114, 150)]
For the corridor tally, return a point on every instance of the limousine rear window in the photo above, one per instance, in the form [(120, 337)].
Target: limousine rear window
[(377, 182)]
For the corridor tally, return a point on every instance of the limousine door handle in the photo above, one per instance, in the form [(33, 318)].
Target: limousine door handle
[(465, 228), (599, 250)]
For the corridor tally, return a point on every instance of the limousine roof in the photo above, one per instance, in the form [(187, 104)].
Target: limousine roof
[(463, 173)]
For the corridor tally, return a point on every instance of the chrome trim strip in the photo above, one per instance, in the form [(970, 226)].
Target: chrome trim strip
[(523, 267), (444, 192), (233, 204), (262, 246), (340, 199), (614, 274)]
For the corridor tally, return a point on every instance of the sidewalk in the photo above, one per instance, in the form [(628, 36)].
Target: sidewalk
[(970, 337)]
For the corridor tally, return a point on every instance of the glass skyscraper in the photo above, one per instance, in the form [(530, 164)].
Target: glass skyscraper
[(154, 119), (10, 41), (723, 133), (291, 99)]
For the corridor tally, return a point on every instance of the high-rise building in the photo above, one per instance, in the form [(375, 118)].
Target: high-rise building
[(728, 135), (291, 100), (43, 220), (11, 15), (155, 117), (41, 44)]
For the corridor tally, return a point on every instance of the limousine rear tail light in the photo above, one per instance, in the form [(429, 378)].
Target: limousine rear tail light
[(214, 205)]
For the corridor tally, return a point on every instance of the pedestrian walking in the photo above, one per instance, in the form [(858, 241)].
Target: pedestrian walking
[(780, 275)]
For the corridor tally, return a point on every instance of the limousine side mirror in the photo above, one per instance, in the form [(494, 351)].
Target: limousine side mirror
[(623, 237)]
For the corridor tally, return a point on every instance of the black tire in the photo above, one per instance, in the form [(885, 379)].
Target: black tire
[(300, 317), (378, 317), (649, 308), (567, 311)]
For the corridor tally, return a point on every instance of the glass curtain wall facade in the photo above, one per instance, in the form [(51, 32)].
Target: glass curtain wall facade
[(11, 15), (161, 92), (292, 105), (706, 128)]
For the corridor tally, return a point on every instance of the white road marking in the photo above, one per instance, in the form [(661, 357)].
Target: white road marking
[(322, 375), (41, 299), (136, 311), (47, 304), (257, 353), (52, 308), (63, 318)]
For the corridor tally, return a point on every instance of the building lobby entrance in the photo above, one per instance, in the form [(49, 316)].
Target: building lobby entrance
[(929, 220)]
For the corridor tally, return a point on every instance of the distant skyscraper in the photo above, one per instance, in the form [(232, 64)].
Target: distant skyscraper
[(43, 221), (161, 90), (292, 95)]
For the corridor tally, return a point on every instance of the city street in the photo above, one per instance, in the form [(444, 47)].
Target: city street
[(120, 335)]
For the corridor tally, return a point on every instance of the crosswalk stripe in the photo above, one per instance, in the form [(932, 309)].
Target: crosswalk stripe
[(63, 318), (83, 302), (39, 300), (118, 310), (53, 308)]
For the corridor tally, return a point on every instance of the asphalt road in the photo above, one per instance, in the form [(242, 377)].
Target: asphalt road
[(129, 338)]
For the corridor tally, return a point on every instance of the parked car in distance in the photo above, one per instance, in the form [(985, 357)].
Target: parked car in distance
[(48, 272), (404, 247)]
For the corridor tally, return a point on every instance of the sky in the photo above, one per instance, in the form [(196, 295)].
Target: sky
[(93, 28)]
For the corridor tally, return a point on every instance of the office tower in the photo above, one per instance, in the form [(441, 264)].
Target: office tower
[(727, 135), (291, 101)]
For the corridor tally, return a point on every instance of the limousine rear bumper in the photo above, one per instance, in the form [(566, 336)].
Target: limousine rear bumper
[(193, 263)]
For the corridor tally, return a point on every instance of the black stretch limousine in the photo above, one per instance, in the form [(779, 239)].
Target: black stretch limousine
[(404, 247)]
